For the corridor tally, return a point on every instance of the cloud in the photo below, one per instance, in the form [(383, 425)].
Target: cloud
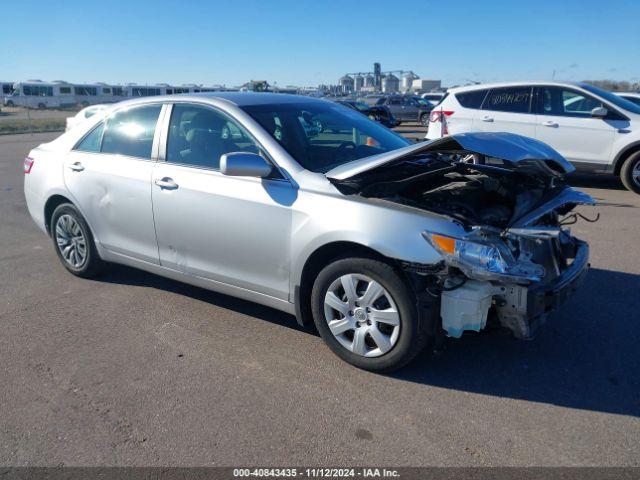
[(574, 65)]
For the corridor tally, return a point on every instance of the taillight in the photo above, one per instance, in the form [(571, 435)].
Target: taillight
[(28, 164), (436, 115)]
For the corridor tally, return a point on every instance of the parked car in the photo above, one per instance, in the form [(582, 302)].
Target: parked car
[(433, 97), (382, 243), (84, 114), (407, 108), (595, 130), (633, 97), (379, 113)]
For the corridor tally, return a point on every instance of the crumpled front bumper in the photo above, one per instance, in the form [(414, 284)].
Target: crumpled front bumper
[(523, 309)]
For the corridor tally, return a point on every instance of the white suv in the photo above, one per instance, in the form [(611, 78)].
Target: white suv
[(596, 130)]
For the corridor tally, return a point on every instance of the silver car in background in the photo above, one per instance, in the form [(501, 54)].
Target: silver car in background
[(382, 243)]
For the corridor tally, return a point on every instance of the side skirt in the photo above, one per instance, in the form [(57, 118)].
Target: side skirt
[(201, 282)]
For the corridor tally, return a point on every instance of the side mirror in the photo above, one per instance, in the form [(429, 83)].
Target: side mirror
[(242, 164), (599, 112)]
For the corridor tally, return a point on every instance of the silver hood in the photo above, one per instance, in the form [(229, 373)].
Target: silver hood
[(520, 153)]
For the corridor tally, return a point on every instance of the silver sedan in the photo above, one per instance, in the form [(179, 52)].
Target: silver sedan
[(309, 207)]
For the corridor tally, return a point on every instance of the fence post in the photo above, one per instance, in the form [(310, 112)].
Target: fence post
[(29, 115)]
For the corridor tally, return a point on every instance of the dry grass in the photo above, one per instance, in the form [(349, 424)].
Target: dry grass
[(37, 125)]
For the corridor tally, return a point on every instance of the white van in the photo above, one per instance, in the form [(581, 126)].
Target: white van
[(39, 94), (596, 130)]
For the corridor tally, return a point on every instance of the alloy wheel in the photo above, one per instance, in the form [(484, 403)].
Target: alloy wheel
[(71, 241), (635, 173), (362, 315)]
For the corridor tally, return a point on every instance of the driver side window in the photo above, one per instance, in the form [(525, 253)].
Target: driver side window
[(199, 136), (566, 103)]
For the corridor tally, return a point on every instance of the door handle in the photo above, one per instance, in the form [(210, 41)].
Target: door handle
[(550, 124), (76, 167), (166, 183), (487, 119)]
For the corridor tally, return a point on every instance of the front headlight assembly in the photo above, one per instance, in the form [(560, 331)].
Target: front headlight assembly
[(483, 259)]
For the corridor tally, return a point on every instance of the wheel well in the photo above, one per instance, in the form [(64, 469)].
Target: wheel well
[(623, 158), (316, 262), (50, 206)]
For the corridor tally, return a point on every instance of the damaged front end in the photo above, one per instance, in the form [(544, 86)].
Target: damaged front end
[(516, 260), (520, 276)]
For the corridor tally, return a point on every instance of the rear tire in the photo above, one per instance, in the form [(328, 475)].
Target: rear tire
[(630, 172), (73, 242), (424, 119), (379, 347)]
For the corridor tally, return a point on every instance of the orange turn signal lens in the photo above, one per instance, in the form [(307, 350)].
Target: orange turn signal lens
[(446, 244)]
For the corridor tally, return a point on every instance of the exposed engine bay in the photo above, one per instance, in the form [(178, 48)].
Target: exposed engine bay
[(475, 194), (517, 261)]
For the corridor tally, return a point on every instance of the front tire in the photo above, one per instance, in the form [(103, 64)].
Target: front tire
[(630, 172), (424, 119), (366, 314), (73, 242)]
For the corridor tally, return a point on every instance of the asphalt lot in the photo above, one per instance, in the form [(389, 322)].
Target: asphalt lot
[(133, 369)]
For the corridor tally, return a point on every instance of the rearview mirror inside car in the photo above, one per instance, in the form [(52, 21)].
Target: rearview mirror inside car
[(244, 164), (599, 112)]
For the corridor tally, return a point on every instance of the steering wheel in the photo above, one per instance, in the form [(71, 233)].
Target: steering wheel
[(343, 148)]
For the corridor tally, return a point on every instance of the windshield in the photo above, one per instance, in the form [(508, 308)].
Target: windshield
[(613, 98), (322, 136)]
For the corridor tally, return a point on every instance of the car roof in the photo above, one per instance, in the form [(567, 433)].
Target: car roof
[(240, 99), (484, 86), (245, 99)]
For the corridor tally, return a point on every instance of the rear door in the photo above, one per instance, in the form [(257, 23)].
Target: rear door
[(507, 109), (564, 121), (109, 175)]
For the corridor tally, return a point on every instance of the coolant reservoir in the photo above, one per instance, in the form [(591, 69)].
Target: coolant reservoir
[(466, 307)]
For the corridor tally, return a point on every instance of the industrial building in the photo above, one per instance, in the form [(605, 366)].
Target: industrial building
[(379, 81)]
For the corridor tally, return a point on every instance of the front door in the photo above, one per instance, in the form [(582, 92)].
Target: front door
[(410, 108), (109, 175), (234, 230), (564, 121), (396, 105)]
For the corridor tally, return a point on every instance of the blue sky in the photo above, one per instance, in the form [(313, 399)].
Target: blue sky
[(309, 42)]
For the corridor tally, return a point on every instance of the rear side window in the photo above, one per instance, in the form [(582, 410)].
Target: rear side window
[(130, 132), (510, 99), (471, 99), (93, 141)]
